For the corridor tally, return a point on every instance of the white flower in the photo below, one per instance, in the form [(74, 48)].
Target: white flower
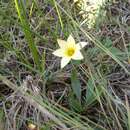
[(69, 50)]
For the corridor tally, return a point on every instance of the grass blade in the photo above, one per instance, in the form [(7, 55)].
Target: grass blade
[(22, 15)]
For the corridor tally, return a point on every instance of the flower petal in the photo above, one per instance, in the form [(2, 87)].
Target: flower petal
[(77, 56), (61, 43), (58, 52), (70, 41), (80, 45), (64, 61)]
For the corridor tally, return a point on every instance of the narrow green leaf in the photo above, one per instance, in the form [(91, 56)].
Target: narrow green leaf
[(1, 115), (74, 103), (107, 42), (43, 61), (92, 92), (75, 83), (45, 128), (22, 15), (58, 14)]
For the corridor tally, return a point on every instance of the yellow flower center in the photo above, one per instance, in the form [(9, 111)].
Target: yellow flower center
[(70, 51)]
